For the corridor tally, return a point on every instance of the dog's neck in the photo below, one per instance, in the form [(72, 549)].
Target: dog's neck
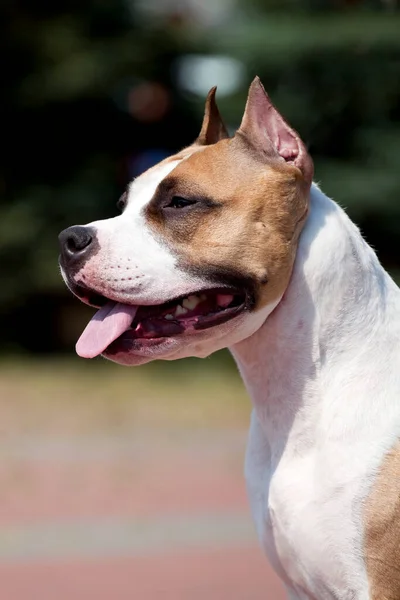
[(337, 296)]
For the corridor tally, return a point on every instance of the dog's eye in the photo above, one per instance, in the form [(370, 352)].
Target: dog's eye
[(179, 202), (122, 202)]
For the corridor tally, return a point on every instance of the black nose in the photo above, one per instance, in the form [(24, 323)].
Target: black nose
[(75, 241)]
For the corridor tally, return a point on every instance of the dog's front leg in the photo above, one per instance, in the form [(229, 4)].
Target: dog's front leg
[(258, 475)]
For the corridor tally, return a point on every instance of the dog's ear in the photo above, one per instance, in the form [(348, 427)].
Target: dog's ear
[(213, 129), (268, 132)]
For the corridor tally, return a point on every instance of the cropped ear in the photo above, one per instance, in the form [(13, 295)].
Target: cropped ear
[(213, 129), (268, 132)]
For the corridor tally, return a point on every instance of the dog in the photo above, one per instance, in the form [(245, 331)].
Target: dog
[(230, 244)]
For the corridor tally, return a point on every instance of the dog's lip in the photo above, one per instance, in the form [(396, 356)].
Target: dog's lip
[(143, 351), (138, 346), (89, 295), (96, 299)]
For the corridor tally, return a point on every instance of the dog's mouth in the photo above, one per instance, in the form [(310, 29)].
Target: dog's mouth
[(196, 311), (116, 322)]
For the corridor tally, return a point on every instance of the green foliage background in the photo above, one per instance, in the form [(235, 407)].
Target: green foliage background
[(332, 67)]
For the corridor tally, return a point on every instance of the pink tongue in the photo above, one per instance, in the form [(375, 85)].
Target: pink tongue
[(111, 321)]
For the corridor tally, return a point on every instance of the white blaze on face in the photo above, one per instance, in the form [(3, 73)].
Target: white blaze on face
[(131, 265), (154, 258), (142, 189)]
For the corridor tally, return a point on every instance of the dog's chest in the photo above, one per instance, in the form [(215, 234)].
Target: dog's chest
[(306, 521)]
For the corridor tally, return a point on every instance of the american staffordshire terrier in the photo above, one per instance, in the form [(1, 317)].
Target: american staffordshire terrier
[(230, 244)]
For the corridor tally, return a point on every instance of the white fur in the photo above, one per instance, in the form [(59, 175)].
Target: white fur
[(323, 373)]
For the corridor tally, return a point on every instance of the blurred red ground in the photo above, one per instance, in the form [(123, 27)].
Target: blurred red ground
[(238, 573), (143, 518)]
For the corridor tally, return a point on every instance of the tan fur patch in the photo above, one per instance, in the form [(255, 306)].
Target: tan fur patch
[(382, 534), (251, 224)]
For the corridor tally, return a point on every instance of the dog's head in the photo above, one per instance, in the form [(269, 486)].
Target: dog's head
[(204, 247)]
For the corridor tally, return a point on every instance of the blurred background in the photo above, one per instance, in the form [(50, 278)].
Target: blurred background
[(127, 483)]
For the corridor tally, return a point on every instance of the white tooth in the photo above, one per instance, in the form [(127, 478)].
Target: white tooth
[(180, 311), (169, 317), (191, 302)]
